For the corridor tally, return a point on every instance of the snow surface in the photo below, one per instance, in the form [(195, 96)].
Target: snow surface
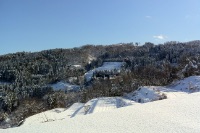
[(178, 115), (145, 94), (106, 66), (96, 105), (103, 104), (64, 86), (190, 84), (53, 115), (77, 66)]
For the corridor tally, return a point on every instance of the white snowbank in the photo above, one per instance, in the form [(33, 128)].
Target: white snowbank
[(178, 115), (93, 106), (190, 84), (145, 94), (53, 115), (103, 104)]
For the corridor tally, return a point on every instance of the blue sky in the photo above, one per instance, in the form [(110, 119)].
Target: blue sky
[(34, 25)]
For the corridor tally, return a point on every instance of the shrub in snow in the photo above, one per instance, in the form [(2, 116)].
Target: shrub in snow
[(10, 102), (86, 108), (56, 99)]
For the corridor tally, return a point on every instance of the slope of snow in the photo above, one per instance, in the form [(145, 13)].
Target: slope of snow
[(167, 91), (142, 95), (145, 94), (93, 106), (106, 66), (190, 84), (53, 115), (103, 104), (64, 86), (179, 88), (165, 114), (178, 115)]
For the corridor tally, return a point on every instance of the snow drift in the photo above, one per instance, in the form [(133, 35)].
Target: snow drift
[(172, 115), (178, 113)]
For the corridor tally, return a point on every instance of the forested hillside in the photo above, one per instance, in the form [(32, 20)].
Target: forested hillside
[(25, 77)]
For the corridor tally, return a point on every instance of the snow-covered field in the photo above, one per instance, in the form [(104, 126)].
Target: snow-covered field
[(178, 113), (64, 86), (96, 105), (106, 66), (53, 115)]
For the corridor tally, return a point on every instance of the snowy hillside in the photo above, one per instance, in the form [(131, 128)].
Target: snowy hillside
[(142, 95), (106, 66), (190, 84), (97, 105), (179, 115), (53, 115)]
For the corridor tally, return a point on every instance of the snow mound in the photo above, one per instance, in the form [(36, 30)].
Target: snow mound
[(53, 115), (190, 84), (145, 94), (179, 115), (96, 105), (103, 104)]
